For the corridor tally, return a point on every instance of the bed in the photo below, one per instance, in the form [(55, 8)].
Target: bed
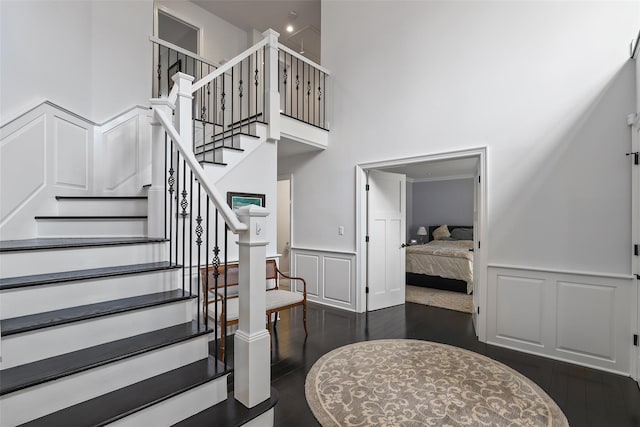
[(443, 264)]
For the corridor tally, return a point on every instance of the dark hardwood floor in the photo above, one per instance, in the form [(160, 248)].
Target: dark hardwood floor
[(587, 397)]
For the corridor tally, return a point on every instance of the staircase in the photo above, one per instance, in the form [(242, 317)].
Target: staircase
[(95, 328)]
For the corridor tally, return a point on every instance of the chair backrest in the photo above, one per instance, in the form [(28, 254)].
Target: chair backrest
[(230, 273)]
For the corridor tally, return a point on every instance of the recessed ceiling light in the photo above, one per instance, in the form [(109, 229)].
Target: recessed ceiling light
[(290, 28)]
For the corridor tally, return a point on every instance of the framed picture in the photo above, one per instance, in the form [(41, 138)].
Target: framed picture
[(174, 68), (237, 200)]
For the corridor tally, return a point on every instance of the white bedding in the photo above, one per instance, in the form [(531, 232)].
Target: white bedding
[(450, 259)]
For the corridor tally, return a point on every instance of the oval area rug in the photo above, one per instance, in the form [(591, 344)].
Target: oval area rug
[(422, 383)]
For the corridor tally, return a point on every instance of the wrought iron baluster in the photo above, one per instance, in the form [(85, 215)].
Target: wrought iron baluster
[(190, 232), (184, 204), (215, 263), (206, 294), (297, 88), (199, 231), (171, 180), (240, 90), (226, 233), (284, 81), (177, 204), (256, 81), (223, 108)]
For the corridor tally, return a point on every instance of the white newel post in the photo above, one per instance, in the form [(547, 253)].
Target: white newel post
[(156, 195), (252, 358), (271, 94), (184, 125)]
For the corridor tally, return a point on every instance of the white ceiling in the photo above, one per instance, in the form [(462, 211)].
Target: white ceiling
[(264, 14), (437, 170)]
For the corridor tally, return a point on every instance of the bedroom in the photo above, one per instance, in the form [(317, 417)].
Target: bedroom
[(440, 200)]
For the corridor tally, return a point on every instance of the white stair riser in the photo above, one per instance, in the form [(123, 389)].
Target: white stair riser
[(102, 207), (248, 144), (34, 402), (20, 263), (92, 227), (29, 347), (72, 294), (182, 406)]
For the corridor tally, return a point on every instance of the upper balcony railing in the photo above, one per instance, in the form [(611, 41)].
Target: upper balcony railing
[(303, 88), (228, 98)]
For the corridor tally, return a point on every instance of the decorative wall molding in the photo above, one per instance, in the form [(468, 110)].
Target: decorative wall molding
[(579, 318), (49, 151), (330, 276)]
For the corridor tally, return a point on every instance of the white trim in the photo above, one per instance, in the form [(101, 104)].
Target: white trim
[(177, 17), (562, 359), (183, 51), (333, 251), (303, 59), (38, 104), (441, 178), (633, 120), (228, 65), (480, 282), (572, 272)]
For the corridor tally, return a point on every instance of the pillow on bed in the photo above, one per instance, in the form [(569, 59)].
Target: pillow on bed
[(440, 232), (462, 234)]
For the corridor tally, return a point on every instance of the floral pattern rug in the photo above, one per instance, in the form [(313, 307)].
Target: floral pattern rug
[(421, 383)]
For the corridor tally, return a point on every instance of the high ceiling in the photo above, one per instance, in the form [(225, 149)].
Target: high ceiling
[(264, 14)]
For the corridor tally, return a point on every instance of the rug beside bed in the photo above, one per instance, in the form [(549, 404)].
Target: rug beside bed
[(437, 298)]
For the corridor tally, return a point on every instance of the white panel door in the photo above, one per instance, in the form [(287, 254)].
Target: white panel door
[(635, 307), (386, 219)]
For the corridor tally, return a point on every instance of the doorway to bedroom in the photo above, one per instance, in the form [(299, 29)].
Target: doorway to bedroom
[(443, 193)]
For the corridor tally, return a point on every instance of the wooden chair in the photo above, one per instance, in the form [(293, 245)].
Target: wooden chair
[(276, 299)]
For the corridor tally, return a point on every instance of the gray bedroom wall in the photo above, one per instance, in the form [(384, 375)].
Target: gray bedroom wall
[(440, 202)]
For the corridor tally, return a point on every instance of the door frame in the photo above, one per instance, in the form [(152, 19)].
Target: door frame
[(480, 256), (633, 120), (289, 177)]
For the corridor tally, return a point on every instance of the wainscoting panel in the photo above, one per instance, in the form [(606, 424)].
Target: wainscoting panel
[(72, 154), (330, 274), (336, 271), (121, 148), (307, 267), (518, 300), (23, 166), (582, 318), (586, 319)]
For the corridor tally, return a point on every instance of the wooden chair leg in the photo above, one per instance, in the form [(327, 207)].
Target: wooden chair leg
[(304, 318), (275, 320), (223, 337), (269, 323)]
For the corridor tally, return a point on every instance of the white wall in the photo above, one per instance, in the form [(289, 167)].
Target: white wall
[(93, 58), (284, 223), (219, 40), (535, 84), (441, 202)]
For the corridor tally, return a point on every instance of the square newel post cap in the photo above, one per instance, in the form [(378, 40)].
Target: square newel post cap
[(271, 33), (180, 75), (161, 102), (252, 211)]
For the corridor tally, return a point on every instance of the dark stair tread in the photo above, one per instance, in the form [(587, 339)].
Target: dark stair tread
[(93, 273), (101, 197), (41, 371), (209, 162), (91, 217), (229, 413), (213, 149), (227, 134), (120, 403), (72, 242), (63, 316)]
